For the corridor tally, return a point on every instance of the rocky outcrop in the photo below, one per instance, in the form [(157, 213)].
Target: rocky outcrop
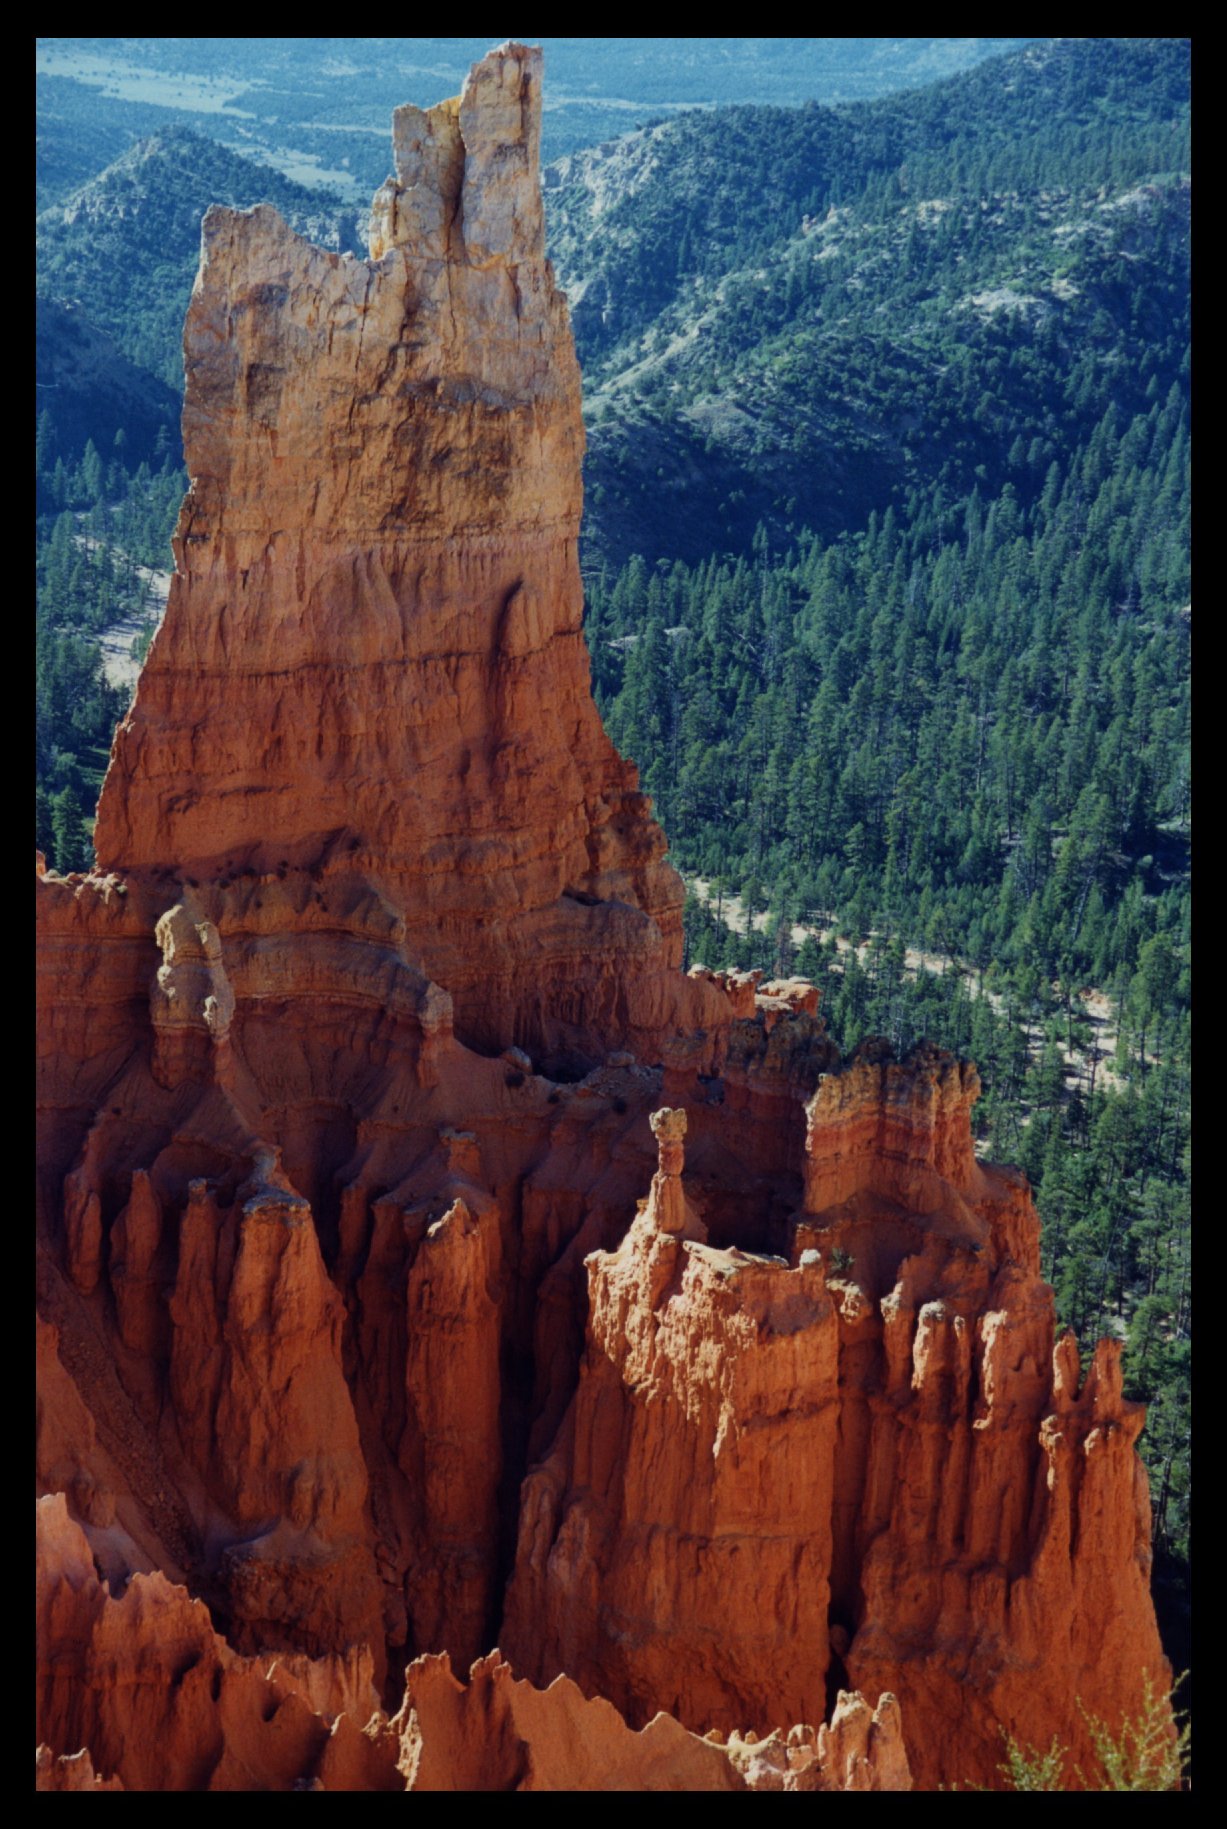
[(933, 1495), (144, 1686), (69, 1772), (899, 1130), (373, 652), (963, 1432), (148, 1694), (357, 1340), (674, 1549), (1009, 1587), (452, 1440), (497, 1734), (861, 1750)]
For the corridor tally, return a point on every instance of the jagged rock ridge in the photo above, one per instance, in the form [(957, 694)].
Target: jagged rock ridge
[(347, 1055)]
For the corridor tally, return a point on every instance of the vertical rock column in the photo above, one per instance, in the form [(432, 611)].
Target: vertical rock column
[(675, 1545), (372, 661), (452, 1394), (265, 1415), (1005, 1583), (143, 1322)]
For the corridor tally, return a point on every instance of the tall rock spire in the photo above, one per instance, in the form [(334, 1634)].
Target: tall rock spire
[(372, 664)]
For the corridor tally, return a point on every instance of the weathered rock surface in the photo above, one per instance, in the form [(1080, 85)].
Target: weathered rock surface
[(902, 1453), (452, 1391), (861, 1750), (357, 1340), (145, 1691), (497, 1734), (69, 1772), (264, 1412), (674, 1549), (372, 651)]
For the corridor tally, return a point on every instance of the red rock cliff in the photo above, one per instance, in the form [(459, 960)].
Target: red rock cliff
[(354, 1346)]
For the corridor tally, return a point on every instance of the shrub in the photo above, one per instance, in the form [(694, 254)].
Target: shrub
[(1143, 1755)]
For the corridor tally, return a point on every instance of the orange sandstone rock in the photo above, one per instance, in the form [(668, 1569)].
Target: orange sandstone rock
[(861, 1750), (497, 1734), (142, 1688), (262, 1405), (920, 1459), (69, 1772), (348, 1057), (372, 651), (452, 1388), (155, 1698), (675, 1548)]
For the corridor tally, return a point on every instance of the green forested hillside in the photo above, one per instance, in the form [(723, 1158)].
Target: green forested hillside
[(708, 193), (88, 390), (798, 317), (949, 762), (967, 737), (100, 519), (126, 245), (928, 712)]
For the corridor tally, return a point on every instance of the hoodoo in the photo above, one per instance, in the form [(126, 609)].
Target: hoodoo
[(359, 1346), (372, 676)]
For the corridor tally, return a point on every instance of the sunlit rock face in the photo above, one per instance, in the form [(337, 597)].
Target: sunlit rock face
[(425, 1260), (870, 1460), (372, 671)]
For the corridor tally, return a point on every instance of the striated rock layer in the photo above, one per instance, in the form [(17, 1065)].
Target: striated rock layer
[(357, 1342), (372, 667), (691, 1467)]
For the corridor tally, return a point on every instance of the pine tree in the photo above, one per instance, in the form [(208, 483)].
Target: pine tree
[(69, 840)]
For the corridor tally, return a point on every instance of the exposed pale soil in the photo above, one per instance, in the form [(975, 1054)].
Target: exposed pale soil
[(1097, 1011)]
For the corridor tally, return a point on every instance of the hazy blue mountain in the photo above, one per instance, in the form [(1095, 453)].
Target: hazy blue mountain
[(798, 316), (792, 316), (319, 107)]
